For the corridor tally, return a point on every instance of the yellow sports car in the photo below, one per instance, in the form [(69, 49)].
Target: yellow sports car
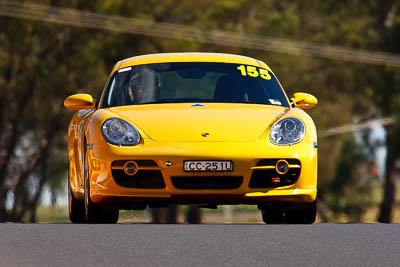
[(203, 129)]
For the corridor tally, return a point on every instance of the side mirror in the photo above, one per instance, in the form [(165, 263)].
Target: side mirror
[(80, 101), (303, 100)]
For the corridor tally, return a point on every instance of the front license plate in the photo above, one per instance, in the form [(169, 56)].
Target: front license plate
[(208, 165)]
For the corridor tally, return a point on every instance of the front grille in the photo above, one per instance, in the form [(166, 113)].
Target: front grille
[(142, 179), (148, 175), (264, 178), (207, 182)]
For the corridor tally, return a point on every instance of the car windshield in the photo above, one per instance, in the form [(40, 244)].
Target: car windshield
[(193, 82)]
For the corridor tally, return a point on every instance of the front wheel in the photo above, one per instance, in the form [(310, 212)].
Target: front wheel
[(304, 215), (76, 207), (93, 214), (272, 215), (290, 213)]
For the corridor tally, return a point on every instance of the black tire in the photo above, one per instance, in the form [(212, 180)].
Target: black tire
[(272, 215), (305, 215), (93, 214), (76, 207)]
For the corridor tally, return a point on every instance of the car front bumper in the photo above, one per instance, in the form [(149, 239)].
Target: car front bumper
[(169, 159)]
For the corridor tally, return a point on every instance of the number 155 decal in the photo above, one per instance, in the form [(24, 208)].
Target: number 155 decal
[(254, 72)]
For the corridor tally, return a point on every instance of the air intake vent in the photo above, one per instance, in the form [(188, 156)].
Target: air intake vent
[(207, 182)]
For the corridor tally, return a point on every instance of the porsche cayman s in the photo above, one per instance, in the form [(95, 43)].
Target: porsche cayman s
[(202, 129)]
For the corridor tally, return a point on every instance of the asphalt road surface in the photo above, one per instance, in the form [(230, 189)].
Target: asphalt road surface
[(199, 245)]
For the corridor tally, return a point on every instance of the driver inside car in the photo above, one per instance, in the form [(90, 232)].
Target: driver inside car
[(143, 87)]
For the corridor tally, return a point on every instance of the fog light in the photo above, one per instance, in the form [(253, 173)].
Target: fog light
[(130, 168), (282, 166)]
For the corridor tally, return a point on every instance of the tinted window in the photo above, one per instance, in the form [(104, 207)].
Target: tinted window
[(193, 82)]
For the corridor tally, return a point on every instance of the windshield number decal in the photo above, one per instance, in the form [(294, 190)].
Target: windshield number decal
[(253, 72)]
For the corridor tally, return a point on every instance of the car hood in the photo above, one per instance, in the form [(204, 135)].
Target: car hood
[(211, 122)]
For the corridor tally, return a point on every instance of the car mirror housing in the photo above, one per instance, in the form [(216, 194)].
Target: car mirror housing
[(304, 100), (80, 101)]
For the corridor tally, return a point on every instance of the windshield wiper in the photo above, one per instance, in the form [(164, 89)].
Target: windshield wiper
[(158, 102), (196, 100), (175, 100), (249, 102)]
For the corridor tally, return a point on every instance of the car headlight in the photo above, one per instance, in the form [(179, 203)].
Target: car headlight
[(287, 132), (119, 132)]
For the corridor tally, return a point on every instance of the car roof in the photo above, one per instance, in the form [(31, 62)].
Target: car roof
[(189, 57)]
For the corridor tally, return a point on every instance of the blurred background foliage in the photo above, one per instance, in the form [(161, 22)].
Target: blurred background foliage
[(42, 63)]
